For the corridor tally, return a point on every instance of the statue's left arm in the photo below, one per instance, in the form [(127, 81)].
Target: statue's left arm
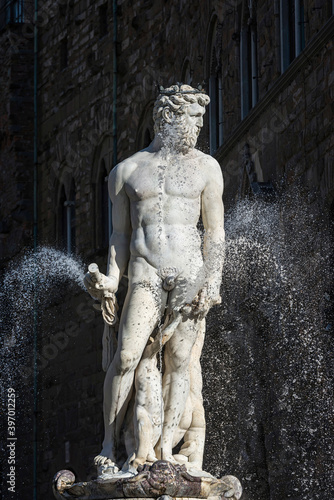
[(214, 234)]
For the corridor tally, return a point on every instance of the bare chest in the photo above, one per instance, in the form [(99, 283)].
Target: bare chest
[(153, 181)]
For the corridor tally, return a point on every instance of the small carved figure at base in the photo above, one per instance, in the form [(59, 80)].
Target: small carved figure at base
[(162, 479)]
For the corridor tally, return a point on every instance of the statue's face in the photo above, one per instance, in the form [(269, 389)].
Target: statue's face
[(193, 116), (188, 126), (181, 130)]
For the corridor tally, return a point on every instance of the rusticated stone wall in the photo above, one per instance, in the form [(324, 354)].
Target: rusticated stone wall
[(290, 143), (289, 133), (16, 142), (16, 227)]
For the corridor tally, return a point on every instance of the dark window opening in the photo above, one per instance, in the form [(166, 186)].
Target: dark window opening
[(103, 16), (11, 11), (292, 33), (147, 138), (292, 19), (62, 220), (213, 111), (301, 24), (104, 206), (216, 97), (145, 130), (187, 74), (248, 68), (67, 220), (71, 243)]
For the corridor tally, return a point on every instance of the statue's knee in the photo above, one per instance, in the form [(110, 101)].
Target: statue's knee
[(181, 361), (126, 362)]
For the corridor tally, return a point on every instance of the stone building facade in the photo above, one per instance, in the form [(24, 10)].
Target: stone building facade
[(268, 67), (17, 117)]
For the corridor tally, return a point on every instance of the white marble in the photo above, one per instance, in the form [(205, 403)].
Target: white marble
[(158, 195)]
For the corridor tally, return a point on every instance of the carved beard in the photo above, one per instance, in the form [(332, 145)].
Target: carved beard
[(180, 137)]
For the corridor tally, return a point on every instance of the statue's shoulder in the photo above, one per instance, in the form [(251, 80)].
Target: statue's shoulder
[(121, 173), (123, 169), (209, 164), (205, 157)]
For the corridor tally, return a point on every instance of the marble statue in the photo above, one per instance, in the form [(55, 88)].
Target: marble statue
[(153, 409), (158, 197)]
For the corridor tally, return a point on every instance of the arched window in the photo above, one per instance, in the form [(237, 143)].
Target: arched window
[(103, 17), (187, 73), (103, 206), (71, 219), (61, 232), (147, 139), (145, 132), (215, 87), (291, 30), (105, 216), (248, 58), (66, 219)]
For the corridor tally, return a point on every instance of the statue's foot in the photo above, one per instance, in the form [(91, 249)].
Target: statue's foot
[(164, 454), (151, 458), (106, 460), (101, 460), (195, 469), (170, 458), (188, 448), (137, 462), (190, 453), (142, 461), (180, 459)]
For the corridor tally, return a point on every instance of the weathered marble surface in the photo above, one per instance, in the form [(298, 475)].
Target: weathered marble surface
[(160, 479), (158, 197), (174, 277)]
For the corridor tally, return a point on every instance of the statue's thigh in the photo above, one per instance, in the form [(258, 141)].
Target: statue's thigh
[(198, 345), (139, 317), (195, 365), (179, 347)]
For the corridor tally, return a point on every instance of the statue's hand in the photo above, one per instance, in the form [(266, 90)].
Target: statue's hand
[(105, 287), (204, 300)]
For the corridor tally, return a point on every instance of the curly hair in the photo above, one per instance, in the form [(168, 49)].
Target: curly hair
[(176, 102)]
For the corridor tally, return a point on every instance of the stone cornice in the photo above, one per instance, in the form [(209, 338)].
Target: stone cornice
[(316, 43)]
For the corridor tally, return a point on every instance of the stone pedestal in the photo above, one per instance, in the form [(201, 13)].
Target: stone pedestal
[(161, 480)]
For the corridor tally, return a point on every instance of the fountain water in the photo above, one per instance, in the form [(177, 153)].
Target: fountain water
[(266, 351), (269, 356), (271, 340), (29, 283)]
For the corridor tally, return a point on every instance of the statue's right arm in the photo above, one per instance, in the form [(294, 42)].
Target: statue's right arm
[(119, 245)]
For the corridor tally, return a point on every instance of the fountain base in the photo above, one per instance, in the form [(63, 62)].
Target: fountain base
[(161, 480)]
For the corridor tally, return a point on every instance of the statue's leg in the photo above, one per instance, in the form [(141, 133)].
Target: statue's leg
[(144, 431), (148, 407), (176, 383), (139, 318), (194, 437)]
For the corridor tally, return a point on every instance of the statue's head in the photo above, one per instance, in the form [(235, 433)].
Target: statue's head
[(178, 115)]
